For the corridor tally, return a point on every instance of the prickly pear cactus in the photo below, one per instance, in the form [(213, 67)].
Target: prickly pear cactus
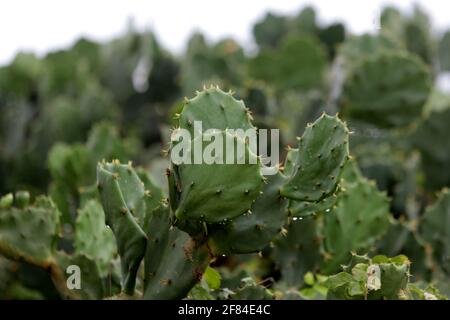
[(332, 36), (215, 192), (298, 63), (154, 195), (252, 231), (305, 208), (275, 67), (297, 251), (399, 87), (216, 110), (402, 238), (359, 218), (222, 62), (371, 279), (323, 151), (123, 198), (413, 31), (435, 157), (444, 52), (174, 262), (72, 167), (29, 232), (434, 228), (140, 219), (357, 48), (270, 30), (93, 238)]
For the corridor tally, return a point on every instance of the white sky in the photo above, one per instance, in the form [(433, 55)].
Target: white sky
[(43, 25)]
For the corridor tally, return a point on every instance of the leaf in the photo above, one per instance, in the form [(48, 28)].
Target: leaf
[(212, 278)]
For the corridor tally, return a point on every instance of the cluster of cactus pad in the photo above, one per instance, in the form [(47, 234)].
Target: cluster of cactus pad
[(212, 210), (357, 208)]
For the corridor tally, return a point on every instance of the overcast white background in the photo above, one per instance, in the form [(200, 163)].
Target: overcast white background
[(44, 25)]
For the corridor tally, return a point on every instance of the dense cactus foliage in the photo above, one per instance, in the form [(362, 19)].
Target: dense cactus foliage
[(96, 204)]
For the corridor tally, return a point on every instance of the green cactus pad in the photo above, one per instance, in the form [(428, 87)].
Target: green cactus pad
[(93, 238), (122, 195), (174, 262), (401, 238), (360, 217), (323, 151), (394, 276), (378, 278), (216, 110), (154, 194), (435, 229), (270, 30), (435, 155), (298, 251), (70, 169), (173, 186), (399, 88), (356, 48), (306, 208), (30, 234), (105, 142), (253, 231), (444, 52), (298, 64), (289, 162), (214, 192)]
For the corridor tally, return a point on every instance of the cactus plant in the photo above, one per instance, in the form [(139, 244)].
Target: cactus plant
[(122, 194), (252, 231), (93, 238), (297, 251), (360, 217), (211, 203), (194, 226), (434, 229), (377, 278), (434, 157), (400, 86), (444, 52), (174, 262), (270, 30), (277, 67), (319, 161)]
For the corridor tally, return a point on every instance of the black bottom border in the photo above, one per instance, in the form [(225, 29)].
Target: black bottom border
[(218, 309)]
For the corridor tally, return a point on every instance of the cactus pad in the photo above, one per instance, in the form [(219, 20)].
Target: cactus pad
[(174, 262), (323, 151), (252, 231), (399, 87), (122, 195)]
